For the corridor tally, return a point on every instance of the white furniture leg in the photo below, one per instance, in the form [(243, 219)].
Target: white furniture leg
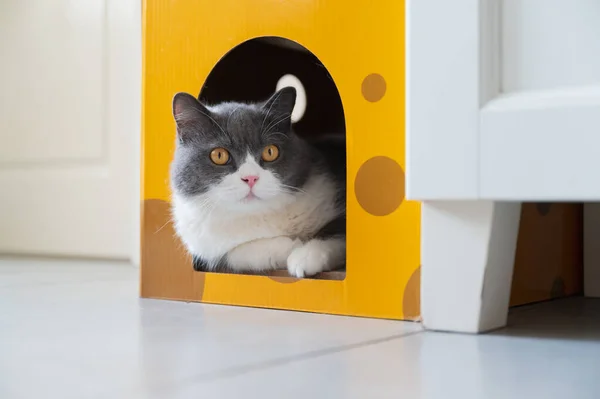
[(468, 252)]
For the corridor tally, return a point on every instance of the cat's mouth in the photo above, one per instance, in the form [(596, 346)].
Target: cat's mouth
[(250, 197)]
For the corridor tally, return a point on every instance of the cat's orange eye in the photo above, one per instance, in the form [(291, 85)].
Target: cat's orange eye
[(270, 153), (219, 156)]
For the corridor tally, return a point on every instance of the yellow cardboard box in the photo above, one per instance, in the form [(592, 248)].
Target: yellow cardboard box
[(362, 47)]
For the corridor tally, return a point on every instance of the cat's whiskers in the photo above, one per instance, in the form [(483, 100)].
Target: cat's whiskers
[(230, 115), (296, 189), (211, 210), (214, 121), (274, 124), (206, 206), (163, 226), (267, 137), (284, 190), (269, 110)]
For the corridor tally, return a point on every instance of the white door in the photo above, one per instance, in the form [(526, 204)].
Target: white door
[(69, 127), (504, 99)]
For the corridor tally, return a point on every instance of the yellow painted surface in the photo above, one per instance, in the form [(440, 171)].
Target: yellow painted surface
[(184, 39)]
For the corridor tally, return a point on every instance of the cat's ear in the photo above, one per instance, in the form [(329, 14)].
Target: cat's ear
[(279, 107), (190, 115)]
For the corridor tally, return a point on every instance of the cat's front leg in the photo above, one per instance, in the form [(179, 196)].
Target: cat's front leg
[(262, 254), (316, 256)]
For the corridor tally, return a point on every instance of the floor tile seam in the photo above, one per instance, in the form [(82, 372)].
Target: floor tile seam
[(66, 283), (240, 370)]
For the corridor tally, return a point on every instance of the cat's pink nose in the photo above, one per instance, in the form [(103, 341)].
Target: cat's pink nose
[(250, 180)]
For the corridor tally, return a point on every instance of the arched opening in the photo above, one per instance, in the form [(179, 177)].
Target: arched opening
[(257, 68), (251, 71)]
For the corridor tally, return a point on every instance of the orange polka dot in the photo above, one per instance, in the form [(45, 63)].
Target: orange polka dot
[(282, 276), (167, 269), (373, 87), (379, 186), (411, 303), (543, 208)]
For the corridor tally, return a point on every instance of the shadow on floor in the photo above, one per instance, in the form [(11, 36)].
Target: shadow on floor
[(566, 319)]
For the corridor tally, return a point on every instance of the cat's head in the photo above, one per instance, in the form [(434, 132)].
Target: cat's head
[(239, 156)]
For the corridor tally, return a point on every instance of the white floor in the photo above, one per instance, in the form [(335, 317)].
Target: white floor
[(78, 330)]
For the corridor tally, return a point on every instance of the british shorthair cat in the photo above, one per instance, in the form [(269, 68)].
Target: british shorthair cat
[(249, 195)]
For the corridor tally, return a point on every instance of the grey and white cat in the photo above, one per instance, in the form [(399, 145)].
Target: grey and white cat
[(249, 195)]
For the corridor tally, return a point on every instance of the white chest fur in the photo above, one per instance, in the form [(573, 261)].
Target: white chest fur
[(211, 231)]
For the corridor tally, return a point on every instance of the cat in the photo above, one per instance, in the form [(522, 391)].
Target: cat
[(249, 195)]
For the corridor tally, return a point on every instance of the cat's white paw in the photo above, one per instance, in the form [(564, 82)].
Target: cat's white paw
[(308, 260)]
